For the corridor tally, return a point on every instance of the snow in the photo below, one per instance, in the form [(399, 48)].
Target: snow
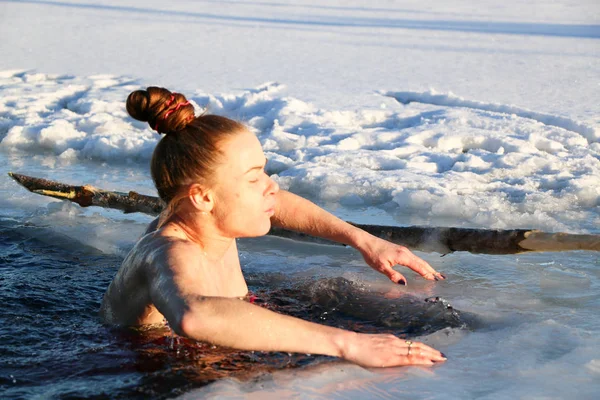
[(450, 100), (438, 156)]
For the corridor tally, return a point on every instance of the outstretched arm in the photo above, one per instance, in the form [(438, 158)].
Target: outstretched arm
[(296, 213), (235, 323)]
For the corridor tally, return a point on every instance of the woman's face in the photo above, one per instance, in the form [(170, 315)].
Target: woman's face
[(244, 193)]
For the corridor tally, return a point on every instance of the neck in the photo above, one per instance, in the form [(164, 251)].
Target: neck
[(214, 245)]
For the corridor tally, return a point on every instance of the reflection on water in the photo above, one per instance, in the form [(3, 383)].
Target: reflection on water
[(55, 346)]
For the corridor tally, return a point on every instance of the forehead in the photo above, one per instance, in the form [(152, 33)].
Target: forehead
[(242, 152)]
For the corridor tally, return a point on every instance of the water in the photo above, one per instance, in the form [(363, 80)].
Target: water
[(517, 323)]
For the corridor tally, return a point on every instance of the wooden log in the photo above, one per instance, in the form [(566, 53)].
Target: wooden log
[(431, 239), (87, 195)]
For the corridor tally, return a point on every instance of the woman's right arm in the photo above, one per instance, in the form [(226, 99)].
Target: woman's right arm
[(238, 324)]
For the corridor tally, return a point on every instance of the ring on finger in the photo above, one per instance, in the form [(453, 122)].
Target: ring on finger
[(409, 343)]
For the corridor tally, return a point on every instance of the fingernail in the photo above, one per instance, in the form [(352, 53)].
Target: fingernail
[(401, 282), (443, 276), (436, 278), (443, 355)]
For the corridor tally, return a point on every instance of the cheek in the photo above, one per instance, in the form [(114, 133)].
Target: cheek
[(256, 221), (242, 213)]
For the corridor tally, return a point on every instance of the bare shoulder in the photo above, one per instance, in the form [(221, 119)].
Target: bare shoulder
[(152, 256), (152, 226), (164, 251), (154, 260), (159, 257)]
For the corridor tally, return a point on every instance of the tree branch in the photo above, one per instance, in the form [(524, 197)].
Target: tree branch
[(431, 239)]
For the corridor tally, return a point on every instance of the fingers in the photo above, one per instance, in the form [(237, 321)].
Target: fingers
[(420, 360), (395, 276), (416, 357), (421, 267), (382, 255), (416, 353), (419, 349), (384, 350)]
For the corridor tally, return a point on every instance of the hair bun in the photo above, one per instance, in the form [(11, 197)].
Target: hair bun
[(165, 111)]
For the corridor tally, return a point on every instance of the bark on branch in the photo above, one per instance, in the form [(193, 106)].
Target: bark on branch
[(431, 239)]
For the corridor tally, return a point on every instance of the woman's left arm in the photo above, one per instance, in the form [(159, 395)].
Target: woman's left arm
[(296, 213)]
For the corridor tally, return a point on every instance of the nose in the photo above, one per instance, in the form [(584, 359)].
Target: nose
[(273, 187)]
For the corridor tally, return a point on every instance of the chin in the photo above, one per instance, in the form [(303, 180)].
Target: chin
[(259, 229), (266, 228)]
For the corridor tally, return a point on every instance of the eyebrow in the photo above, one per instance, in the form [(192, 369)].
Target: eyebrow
[(257, 167)]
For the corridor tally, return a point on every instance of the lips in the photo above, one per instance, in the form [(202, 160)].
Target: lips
[(270, 210)]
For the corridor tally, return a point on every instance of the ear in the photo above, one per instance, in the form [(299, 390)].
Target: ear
[(201, 198)]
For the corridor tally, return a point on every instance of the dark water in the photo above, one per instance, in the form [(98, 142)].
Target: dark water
[(54, 346)]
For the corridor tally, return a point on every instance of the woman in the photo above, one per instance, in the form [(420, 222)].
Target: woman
[(210, 172)]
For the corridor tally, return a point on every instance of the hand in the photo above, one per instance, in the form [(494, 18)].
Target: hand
[(389, 351), (382, 255)]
